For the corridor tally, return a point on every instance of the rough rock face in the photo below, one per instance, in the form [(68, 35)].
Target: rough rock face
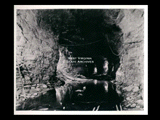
[(132, 61), (36, 48)]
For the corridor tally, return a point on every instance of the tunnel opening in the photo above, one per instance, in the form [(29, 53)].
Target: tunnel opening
[(82, 33)]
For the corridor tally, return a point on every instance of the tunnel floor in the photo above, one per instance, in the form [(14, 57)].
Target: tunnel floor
[(95, 98)]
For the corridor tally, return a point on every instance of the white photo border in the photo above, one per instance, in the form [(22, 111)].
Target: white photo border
[(144, 112)]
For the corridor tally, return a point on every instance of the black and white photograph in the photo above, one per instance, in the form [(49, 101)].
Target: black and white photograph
[(80, 59)]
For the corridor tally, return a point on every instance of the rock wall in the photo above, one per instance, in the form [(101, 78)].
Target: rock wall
[(131, 71), (36, 48)]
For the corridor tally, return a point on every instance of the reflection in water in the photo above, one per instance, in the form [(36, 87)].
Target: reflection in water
[(90, 95)]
